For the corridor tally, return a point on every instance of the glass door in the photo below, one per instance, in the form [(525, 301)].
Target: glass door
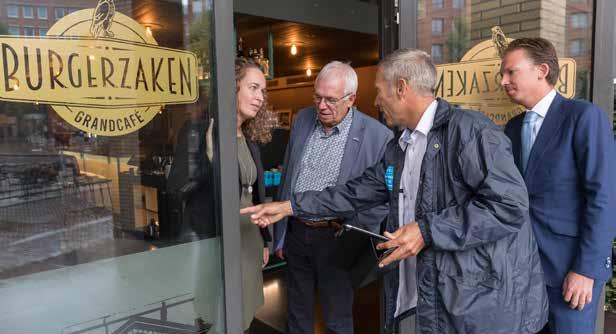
[(109, 206)]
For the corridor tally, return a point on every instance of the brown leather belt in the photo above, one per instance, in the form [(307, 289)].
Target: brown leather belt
[(335, 223)]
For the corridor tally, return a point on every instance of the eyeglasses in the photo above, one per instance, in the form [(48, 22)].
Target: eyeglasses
[(329, 101)]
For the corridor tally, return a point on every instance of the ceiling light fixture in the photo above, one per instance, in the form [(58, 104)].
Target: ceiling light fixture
[(293, 49)]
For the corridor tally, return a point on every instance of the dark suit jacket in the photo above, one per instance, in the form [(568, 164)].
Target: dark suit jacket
[(366, 143), (571, 189), (191, 178)]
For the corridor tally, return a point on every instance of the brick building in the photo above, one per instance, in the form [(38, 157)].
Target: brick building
[(579, 32), (34, 19), (443, 27)]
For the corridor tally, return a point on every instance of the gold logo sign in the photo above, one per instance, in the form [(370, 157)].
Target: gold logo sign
[(100, 71), (474, 82)]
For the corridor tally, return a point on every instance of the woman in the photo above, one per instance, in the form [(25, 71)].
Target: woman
[(194, 184), (254, 124)]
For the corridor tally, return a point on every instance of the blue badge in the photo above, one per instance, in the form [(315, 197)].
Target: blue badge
[(389, 177)]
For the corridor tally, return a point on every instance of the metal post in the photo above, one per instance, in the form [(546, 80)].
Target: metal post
[(407, 28), (603, 73), (227, 169), (603, 59)]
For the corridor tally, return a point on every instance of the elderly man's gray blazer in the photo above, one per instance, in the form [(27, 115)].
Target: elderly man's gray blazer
[(366, 143)]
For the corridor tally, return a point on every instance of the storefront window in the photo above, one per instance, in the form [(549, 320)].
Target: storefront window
[(472, 22), (108, 206)]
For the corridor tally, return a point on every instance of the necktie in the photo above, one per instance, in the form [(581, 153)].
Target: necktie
[(527, 131)]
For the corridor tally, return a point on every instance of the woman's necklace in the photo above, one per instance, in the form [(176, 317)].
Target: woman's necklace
[(244, 170)]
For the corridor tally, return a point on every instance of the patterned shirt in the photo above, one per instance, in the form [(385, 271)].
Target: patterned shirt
[(320, 165)]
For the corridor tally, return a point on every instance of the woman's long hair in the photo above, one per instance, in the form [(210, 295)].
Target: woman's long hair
[(260, 127)]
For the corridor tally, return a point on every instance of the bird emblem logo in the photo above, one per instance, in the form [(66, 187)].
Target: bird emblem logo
[(499, 40), (103, 19)]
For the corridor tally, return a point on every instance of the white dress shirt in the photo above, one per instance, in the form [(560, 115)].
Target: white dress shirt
[(541, 109), (415, 143)]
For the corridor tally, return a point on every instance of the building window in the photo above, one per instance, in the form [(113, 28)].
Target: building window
[(13, 30), (42, 31), (437, 52), (41, 13), (437, 3), (577, 47), (28, 31), (12, 11), (578, 20), (58, 13), (437, 26), (458, 3), (72, 10), (28, 12)]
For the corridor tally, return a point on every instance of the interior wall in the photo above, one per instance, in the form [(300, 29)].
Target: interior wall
[(296, 98)]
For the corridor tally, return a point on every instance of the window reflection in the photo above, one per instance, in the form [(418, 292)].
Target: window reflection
[(449, 29), (70, 196), (96, 210)]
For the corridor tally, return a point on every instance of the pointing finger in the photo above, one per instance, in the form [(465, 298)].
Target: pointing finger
[(248, 210)]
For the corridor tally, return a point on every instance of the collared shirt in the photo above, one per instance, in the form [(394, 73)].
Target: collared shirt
[(414, 143), (541, 108), (320, 165)]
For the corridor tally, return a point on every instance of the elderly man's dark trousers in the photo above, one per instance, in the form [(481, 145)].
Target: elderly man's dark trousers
[(310, 254)]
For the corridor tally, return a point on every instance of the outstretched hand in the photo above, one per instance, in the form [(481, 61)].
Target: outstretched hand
[(268, 213)]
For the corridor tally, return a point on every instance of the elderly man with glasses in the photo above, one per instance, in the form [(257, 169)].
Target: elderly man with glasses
[(331, 143)]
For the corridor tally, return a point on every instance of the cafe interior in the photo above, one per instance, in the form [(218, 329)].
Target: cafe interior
[(122, 183)]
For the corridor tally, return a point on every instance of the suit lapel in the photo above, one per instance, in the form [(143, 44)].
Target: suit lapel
[(351, 148), (303, 135), (553, 120), (516, 141)]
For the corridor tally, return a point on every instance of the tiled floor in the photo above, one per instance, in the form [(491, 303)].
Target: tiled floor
[(274, 312), (273, 315)]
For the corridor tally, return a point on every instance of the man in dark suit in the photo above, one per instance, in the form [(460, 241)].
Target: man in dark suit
[(564, 149), (329, 144)]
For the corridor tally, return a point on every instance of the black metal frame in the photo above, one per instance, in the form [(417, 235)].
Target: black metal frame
[(226, 155), (602, 84), (391, 36), (604, 53)]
